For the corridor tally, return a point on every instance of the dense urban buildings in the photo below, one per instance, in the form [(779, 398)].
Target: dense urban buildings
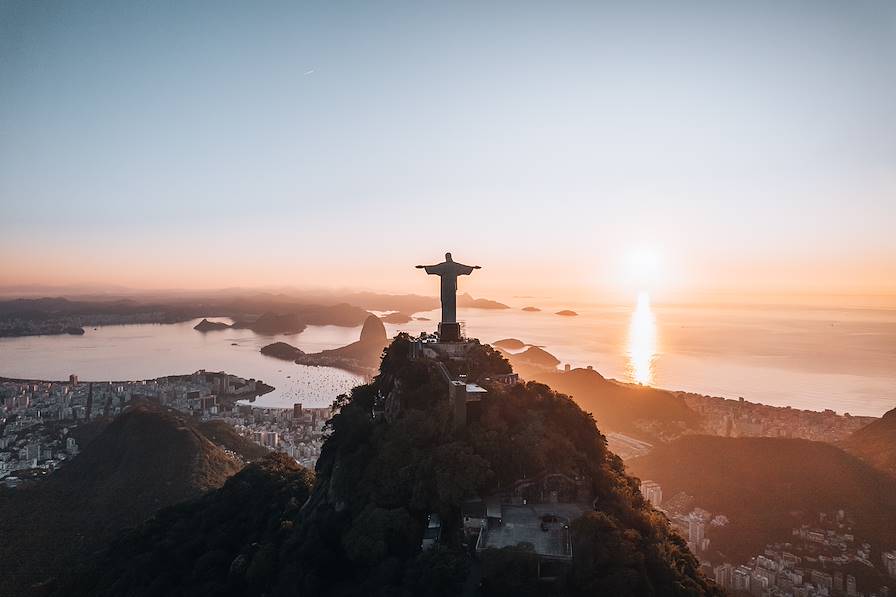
[(742, 418), (823, 559), (40, 420)]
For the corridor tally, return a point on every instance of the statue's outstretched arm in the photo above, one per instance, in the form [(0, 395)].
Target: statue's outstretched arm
[(466, 270)]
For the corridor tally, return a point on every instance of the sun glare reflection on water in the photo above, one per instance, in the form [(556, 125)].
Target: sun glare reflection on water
[(642, 341)]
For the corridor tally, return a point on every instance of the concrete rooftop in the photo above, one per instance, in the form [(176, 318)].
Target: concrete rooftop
[(522, 524)]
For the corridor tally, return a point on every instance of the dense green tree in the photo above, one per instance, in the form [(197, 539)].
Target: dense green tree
[(378, 479), (511, 572), (437, 572)]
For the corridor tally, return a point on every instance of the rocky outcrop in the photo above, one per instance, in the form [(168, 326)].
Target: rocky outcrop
[(210, 326), (362, 357), (282, 350), (397, 318), (510, 344), (538, 357), (468, 302), (373, 330)]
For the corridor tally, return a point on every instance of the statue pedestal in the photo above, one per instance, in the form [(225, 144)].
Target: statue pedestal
[(449, 332)]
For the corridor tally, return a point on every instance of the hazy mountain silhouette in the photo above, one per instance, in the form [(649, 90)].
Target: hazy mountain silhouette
[(210, 326), (510, 344), (397, 318), (273, 323), (373, 330), (466, 301), (642, 411), (761, 483), (362, 356), (536, 357), (876, 443), (282, 350)]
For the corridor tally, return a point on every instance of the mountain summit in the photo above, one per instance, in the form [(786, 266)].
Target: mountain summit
[(876, 443), (147, 458), (520, 496), (373, 330)]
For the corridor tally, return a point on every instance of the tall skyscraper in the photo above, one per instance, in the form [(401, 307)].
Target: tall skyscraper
[(696, 530), (724, 575), (741, 578), (889, 560)]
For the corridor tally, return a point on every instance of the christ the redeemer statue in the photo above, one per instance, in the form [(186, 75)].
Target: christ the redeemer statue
[(449, 270)]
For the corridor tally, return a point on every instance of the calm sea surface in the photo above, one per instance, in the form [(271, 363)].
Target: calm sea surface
[(842, 359), (145, 351)]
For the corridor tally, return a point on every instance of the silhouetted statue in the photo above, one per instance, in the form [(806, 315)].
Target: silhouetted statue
[(449, 270)]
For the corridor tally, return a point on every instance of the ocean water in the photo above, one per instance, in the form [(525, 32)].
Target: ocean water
[(146, 351), (841, 359)]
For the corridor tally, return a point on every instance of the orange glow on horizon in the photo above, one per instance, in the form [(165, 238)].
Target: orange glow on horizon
[(668, 276), (642, 341)]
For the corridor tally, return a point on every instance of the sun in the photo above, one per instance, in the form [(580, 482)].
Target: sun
[(644, 268)]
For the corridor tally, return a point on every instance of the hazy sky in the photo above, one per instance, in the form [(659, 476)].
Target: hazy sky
[(738, 147)]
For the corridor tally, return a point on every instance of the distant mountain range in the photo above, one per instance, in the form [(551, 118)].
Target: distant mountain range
[(263, 313), (413, 303)]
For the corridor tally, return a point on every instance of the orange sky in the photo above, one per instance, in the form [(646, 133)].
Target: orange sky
[(601, 279)]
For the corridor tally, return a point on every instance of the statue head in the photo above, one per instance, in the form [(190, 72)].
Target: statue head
[(448, 257)]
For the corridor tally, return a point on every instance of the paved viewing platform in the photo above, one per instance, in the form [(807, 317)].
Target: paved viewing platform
[(527, 524)]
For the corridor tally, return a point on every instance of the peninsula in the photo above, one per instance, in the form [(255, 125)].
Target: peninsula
[(361, 357)]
